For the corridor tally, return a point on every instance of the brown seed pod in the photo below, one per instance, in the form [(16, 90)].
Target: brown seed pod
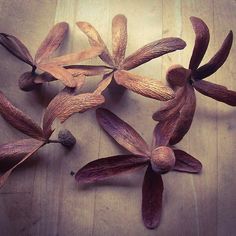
[(162, 159), (26, 81), (177, 75), (66, 138)]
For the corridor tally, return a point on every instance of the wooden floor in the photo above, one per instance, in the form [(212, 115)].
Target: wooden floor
[(41, 198)]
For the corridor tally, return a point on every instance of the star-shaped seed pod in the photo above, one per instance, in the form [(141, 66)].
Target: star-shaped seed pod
[(62, 107), (184, 81), (160, 159), (119, 65), (52, 67)]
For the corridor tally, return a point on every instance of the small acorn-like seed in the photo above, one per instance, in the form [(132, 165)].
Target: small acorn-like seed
[(177, 75), (26, 81), (162, 159), (66, 138)]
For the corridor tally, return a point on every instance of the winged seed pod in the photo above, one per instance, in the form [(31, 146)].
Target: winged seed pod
[(184, 81), (159, 159), (62, 107), (117, 65), (53, 68)]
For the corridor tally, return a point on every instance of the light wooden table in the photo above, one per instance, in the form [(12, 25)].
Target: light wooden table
[(41, 198)]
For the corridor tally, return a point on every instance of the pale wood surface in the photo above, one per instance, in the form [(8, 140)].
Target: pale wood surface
[(41, 198)]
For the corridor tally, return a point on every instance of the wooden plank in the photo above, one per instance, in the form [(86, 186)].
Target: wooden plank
[(226, 131)]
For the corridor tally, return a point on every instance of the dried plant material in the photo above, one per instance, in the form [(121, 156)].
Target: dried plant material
[(217, 60), (26, 125), (153, 50), (5, 176), (182, 107), (144, 86), (152, 198), (95, 40), (163, 159), (119, 38), (19, 119), (177, 75), (51, 42), (186, 163), (164, 130), (106, 167), (186, 116), (59, 73), (54, 67), (65, 104), (218, 92), (118, 63), (123, 134), (18, 148), (16, 47), (160, 160), (76, 57), (42, 78), (26, 81), (183, 104), (202, 37), (76, 70), (102, 85), (185, 100), (171, 107)]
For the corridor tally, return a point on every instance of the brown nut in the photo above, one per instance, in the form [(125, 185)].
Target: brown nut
[(26, 81), (162, 159), (66, 138), (177, 75)]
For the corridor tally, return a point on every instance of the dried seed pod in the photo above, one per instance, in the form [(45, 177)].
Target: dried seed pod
[(177, 75), (26, 81), (66, 138), (159, 160), (119, 64), (162, 159)]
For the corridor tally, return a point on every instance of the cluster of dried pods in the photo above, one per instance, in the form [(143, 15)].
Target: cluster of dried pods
[(174, 118)]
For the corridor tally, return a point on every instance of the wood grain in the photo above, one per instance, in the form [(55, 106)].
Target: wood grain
[(41, 198)]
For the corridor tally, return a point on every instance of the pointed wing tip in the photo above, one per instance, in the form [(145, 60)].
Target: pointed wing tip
[(194, 19), (198, 168), (63, 23), (120, 16), (77, 177), (81, 180), (183, 44), (176, 42), (231, 35), (151, 225), (82, 24)]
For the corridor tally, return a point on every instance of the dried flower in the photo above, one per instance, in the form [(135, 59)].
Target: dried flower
[(160, 159), (185, 80), (119, 65), (53, 68), (62, 107)]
